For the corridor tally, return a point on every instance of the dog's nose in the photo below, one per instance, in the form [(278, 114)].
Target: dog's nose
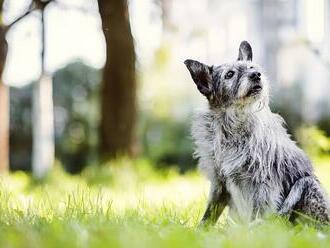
[(255, 76)]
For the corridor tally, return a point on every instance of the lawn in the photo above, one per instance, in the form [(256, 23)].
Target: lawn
[(129, 204)]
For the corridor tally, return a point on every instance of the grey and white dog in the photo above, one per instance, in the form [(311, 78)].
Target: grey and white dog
[(245, 151)]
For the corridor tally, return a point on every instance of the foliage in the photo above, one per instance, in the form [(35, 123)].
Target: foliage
[(324, 124), (75, 93), (76, 97), (283, 104), (20, 119), (314, 141), (128, 204), (167, 142)]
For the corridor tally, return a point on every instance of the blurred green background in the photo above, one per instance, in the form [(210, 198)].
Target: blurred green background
[(159, 97), (96, 107)]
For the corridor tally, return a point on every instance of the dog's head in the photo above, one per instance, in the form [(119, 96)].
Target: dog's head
[(240, 83)]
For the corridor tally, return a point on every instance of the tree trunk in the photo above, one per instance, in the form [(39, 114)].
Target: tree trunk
[(4, 101), (118, 92), (166, 7), (43, 127), (43, 116)]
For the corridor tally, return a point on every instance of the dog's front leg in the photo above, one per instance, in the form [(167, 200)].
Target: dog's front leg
[(218, 200)]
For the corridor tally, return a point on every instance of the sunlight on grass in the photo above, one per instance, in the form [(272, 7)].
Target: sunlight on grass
[(129, 204)]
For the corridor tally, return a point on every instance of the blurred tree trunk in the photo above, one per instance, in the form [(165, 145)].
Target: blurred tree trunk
[(43, 116), (118, 93), (267, 24), (166, 8), (4, 100)]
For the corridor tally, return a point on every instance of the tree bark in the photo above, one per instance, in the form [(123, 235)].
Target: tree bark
[(118, 91), (4, 100), (43, 127)]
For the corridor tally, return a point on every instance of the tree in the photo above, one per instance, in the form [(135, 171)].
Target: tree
[(4, 91), (43, 114), (42, 103), (118, 91), (4, 99), (43, 129)]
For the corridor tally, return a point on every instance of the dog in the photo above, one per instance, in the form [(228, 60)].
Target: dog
[(244, 149)]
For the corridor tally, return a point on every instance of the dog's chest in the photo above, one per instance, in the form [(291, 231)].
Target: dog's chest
[(238, 159), (248, 179), (233, 158), (249, 201)]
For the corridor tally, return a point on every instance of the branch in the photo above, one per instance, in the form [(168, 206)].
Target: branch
[(324, 60), (66, 6), (18, 19), (35, 5), (40, 4)]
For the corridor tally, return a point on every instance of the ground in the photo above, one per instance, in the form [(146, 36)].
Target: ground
[(130, 204)]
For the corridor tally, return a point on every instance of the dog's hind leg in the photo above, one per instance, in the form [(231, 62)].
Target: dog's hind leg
[(306, 197), (218, 200)]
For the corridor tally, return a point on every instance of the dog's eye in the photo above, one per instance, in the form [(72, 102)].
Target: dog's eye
[(229, 74)]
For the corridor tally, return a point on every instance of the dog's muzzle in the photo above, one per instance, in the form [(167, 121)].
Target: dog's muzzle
[(255, 89), (255, 76), (255, 81)]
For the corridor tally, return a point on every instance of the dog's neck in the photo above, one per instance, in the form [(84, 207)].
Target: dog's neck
[(238, 121)]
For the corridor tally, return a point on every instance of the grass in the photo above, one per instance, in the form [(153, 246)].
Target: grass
[(129, 204)]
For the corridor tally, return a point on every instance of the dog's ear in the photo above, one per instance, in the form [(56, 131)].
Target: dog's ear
[(245, 51), (201, 74)]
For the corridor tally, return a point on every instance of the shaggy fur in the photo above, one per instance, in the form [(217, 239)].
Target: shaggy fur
[(245, 151)]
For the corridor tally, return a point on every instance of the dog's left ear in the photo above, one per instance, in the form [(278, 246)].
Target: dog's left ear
[(202, 76), (245, 51)]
